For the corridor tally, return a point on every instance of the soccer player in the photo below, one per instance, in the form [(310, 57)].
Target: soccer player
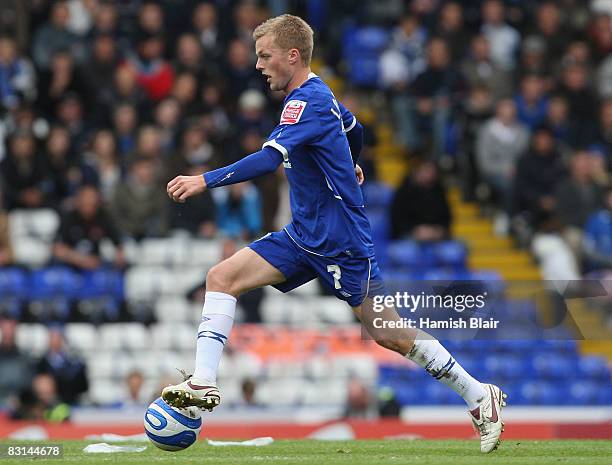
[(318, 141)]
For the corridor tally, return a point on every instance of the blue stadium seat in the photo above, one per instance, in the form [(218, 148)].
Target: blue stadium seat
[(543, 393), (554, 366), (56, 281), (13, 291), (52, 293), (594, 368), (379, 222), (451, 254), (504, 367), (362, 48), (377, 195), (583, 392), (102, 283)]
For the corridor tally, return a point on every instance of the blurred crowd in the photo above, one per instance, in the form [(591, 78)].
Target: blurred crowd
[(103, 102)]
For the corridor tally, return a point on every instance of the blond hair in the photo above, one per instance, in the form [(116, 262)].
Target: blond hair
[(289, 32)]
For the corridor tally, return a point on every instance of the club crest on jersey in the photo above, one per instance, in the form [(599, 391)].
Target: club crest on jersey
[(292, 112)]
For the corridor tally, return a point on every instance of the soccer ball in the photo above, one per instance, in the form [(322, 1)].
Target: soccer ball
[(172, 429)]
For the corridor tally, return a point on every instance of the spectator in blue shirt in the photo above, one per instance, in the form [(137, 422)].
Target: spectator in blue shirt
[(238, 210)]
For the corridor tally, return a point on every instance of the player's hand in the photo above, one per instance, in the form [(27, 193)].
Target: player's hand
[(359, 174), (183, 187)]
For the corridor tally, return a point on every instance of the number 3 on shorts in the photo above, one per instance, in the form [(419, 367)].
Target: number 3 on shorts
[(336, 273)]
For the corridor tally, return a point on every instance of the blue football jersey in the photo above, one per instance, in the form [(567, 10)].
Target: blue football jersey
[(328, 216)]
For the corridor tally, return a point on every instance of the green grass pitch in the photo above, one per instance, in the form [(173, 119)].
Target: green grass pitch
[(311, 452)]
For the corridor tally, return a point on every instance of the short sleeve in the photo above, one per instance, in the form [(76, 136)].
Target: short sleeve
[(298, 126)]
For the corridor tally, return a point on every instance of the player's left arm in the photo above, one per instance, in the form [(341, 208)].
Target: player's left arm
[(353, 130)]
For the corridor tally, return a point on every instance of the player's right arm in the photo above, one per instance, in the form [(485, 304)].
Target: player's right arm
[(252, 166)]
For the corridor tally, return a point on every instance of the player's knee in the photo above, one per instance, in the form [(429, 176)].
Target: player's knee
[(219, 279), (394, 344)]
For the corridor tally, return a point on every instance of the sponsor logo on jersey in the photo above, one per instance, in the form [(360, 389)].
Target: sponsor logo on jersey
[(292, 112)]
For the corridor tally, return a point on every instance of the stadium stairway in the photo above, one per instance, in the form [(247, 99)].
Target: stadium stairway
[(491, 252)]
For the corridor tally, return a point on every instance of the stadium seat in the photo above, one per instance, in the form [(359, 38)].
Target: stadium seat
[(13, 291), (330, 310), (82, 336), (32, 339), (204, 253), (450, 254), (176, 308), (377, 195), (41, 224), (105, 392), (594, 368)]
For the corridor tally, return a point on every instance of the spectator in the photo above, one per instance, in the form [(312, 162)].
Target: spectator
[(67, 369), (54, 36), (435, 91), (574, 87), (252, 115), (153, 73), (17, 76), (479, 69), (25, 179), (190, 59), (99, 72), (576, 198), (214, 114), (205, 24), (531, 101), (537, 174), (126, 91), (60, 79), (150, 19), (500, 142), (103, 159), (477, 110), (148, 145), (139, 204), (600, 35), (135, 395), (239, 73), (6, 249), (15, 365), (504, 38), (420, 209), (603, 137), (125, 125), (71, 115), (557, 119), (42, 402), (405, 57), (549, 29), (359, 402), (451, 29), (65, 171), (533, 60), (185, 91), (597, 243), (238, 210), (195, 150), (604, 78), (197, 214), (248, 388), (83, 229), (168, 118), (105, 20)]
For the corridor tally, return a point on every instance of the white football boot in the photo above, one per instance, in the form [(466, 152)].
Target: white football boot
[(192, 393), (487, 418)]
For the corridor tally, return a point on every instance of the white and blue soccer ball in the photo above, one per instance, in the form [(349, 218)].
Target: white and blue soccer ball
[(170, 428)]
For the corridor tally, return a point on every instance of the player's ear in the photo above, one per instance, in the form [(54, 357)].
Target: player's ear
[(294, 56)]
